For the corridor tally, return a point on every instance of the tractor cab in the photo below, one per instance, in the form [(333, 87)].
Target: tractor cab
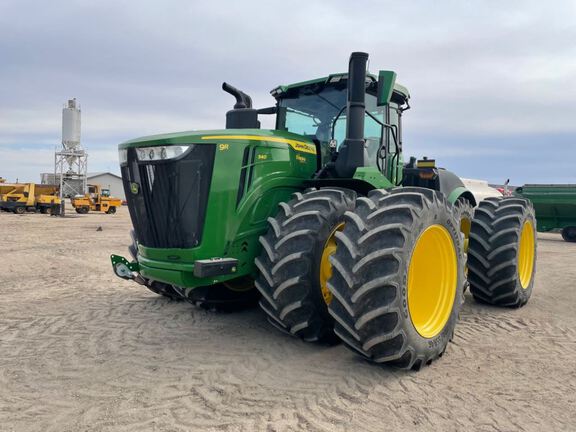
[(317, 109)]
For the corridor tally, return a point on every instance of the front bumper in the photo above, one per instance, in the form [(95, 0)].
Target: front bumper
[(201, 273)]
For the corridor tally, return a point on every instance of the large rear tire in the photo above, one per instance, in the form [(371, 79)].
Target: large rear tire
[(294, 265), (502, 252), (398, 277)]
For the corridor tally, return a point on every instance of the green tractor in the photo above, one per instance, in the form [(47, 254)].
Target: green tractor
[(323, 222)]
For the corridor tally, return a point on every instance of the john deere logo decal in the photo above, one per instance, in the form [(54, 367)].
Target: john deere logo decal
[(134, 188)]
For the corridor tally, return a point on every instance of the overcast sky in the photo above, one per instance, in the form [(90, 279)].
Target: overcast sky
[(492, 82)]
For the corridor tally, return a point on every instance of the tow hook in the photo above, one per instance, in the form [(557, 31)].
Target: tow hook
[(125, 269)]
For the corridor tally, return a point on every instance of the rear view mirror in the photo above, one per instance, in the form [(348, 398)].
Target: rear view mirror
[(386, 81)]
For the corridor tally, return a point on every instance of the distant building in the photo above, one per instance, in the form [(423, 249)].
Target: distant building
[(107, 180)]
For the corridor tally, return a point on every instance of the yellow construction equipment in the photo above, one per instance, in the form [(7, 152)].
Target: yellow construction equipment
[(22, 197), (97, 199)]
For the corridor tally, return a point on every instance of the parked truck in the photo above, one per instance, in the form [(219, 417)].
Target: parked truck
[(22, 197), (555, 206), (97, 199)]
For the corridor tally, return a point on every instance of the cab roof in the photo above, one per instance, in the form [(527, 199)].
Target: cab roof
[(334, 78)]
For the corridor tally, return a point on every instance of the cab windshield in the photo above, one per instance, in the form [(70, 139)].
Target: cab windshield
[(318, 113)]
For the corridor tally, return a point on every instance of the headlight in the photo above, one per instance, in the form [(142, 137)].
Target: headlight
[(160, 152), (123, 156)]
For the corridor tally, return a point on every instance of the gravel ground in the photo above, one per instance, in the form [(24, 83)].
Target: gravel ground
[(81, 350)]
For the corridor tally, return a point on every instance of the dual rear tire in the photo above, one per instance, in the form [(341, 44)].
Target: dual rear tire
[(398, 277), (372, 296)]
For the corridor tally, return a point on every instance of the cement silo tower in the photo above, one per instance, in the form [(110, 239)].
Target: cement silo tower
[(71, 162)]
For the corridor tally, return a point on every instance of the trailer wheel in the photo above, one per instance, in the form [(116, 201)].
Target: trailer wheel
[(44, 210), (111, 210), (20, 210), (502, 252), (294, 264), (569, 234), (398, 277)]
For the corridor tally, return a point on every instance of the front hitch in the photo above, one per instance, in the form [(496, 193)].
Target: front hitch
[(126, 270)]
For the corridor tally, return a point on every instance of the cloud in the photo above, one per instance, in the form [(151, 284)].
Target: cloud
[(482, 75)]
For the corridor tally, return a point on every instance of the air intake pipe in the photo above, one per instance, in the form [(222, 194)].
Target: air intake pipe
[(243, 116), (242, 99), (351, 153)]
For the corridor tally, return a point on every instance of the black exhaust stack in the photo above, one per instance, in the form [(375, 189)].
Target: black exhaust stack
[(243, 116), (351, 153)]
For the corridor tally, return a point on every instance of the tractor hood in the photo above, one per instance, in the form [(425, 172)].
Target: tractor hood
[(205, 136)]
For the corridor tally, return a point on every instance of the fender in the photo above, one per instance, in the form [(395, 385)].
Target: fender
[(453, 187), (438, 179)]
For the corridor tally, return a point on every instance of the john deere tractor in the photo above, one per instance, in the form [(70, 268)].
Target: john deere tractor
[(323, 221)]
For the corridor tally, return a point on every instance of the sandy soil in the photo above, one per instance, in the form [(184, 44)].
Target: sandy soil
[(81, 350)]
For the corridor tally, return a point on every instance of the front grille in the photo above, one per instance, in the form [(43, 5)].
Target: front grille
[(168, 199)]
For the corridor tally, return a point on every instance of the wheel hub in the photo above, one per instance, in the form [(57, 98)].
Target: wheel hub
[(526, 254), (432, 281)]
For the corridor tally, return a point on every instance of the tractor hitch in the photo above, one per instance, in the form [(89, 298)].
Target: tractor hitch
[(126, 270)]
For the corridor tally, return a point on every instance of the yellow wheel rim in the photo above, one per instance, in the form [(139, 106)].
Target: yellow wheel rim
[(432, 281), (526, 254), (326, 266)]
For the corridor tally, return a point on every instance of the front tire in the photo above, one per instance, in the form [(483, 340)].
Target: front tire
[(398, 277), (502, 252), (111, 210), (294, 265)]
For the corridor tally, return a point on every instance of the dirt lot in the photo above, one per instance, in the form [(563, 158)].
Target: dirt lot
[(81, 350)]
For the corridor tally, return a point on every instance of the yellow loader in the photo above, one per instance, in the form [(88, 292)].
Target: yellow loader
[(97, 199)]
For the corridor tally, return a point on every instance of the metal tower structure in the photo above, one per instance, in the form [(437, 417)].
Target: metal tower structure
[(71, 162)]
